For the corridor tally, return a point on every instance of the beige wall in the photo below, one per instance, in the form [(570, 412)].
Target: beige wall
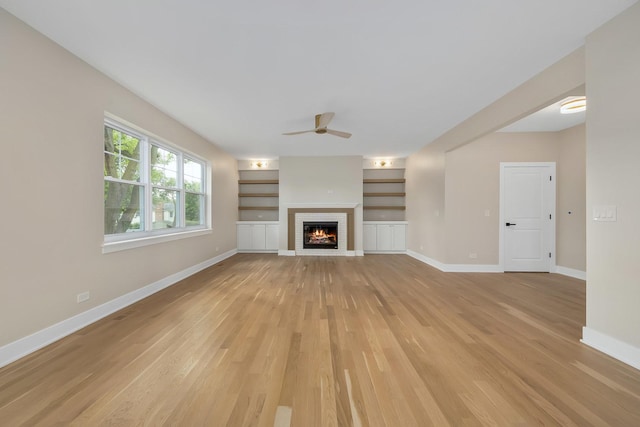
[(424, 174), (613, 178), (425, 170), (571, 228), (472, 183), (320, 181), (51, 217)]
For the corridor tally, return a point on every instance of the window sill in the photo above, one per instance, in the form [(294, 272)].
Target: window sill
[(123, 245)]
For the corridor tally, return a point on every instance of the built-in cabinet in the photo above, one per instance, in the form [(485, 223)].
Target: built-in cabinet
[(257, 236), (385, 236)]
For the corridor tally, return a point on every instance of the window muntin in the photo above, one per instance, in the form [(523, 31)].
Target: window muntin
[(164, 167), (121, 154), (149, 187)]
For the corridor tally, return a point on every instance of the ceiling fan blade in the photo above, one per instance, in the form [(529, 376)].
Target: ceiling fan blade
[(339, 133), (324, 119), (298, 133)]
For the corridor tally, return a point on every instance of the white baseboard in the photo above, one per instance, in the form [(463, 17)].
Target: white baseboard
[(456, 268), (613, 347), (566, 271), (432, 262), (359, 253), (286, 252), (473, 268), (27, 345)]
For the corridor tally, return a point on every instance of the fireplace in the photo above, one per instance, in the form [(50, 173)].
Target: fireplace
[(320, 235), (297, 216)]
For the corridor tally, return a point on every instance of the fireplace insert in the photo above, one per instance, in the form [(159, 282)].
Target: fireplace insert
[(320, 235)]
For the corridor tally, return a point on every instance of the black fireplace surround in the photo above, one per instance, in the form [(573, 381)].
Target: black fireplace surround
[(320, 235)]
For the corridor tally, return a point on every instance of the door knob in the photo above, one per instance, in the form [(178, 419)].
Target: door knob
[(510, 223)]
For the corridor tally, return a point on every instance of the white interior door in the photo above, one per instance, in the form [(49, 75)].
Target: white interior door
[(527, 216)]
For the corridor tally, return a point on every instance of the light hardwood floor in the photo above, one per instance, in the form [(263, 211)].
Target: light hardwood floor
[(322, 341)]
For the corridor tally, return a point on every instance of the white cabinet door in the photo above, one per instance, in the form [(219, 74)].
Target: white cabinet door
[(273, 231), (258, 237), (244, 237), (384, 238), (399, 238), (370, 237)]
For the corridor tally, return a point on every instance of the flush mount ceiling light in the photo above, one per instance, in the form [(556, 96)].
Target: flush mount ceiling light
[(574, 105)]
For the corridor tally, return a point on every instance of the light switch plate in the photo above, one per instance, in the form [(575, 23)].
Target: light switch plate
[(605, 213)]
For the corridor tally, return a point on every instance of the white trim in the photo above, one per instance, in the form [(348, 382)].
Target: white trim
[(566, 271), (123, 245), (15, 350), (432, 262), (455, 268), (482, 268), (286, 252), (473, 268), (374, 252), (613, 347), (359, 253)]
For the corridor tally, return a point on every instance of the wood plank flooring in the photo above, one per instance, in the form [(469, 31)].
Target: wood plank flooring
[(380, 340)]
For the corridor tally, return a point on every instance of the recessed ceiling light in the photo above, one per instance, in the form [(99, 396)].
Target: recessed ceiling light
[(574, 105)]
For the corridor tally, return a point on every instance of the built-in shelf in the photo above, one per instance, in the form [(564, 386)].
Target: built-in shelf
[(384, 181), (258, 208), (258, 181), (258, 192), (258, 195), (385, 208), (384, 194)]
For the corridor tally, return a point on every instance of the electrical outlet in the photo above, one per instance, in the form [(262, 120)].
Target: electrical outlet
[(82, 297), (473, 255)]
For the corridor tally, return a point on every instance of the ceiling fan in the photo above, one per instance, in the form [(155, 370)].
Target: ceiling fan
[(322, 121)]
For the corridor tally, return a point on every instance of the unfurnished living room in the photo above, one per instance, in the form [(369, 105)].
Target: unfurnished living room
[(281, 213)]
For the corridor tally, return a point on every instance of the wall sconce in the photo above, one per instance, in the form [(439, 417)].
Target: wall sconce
[(259, 164), (382, 163)]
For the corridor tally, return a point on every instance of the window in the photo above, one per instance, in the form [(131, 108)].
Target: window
[(150, 188)]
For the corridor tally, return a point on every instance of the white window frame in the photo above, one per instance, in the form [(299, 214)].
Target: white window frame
[(148, 236)]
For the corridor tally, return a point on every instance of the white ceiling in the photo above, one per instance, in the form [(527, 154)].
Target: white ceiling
[(397, 74)]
